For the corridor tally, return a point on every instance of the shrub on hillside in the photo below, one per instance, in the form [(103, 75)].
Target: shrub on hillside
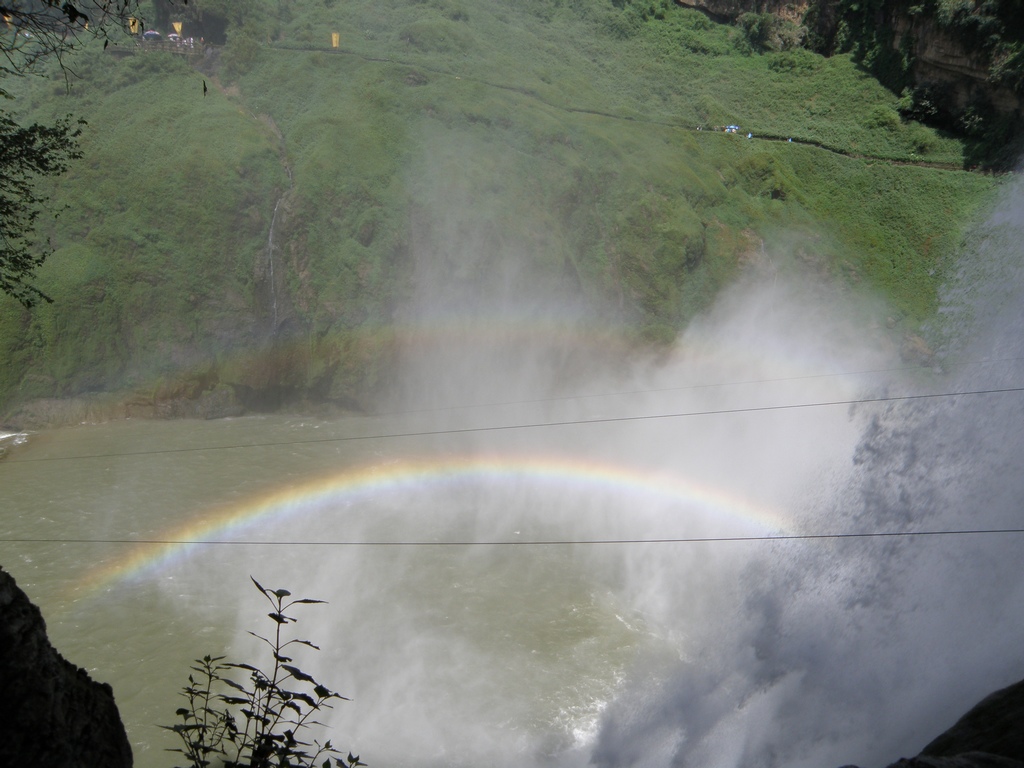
[(241, 52), (795, 62), (768, 32)]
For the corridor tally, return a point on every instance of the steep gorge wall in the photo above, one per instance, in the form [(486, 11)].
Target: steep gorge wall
[(52, 713), (937, 57), (730, 10)]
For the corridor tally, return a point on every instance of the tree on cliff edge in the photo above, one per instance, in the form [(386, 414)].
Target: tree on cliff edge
[(33, 32)]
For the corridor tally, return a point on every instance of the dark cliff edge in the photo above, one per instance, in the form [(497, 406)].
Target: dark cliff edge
[(990, 735), (995, 726), (959, 68), (51, 712)]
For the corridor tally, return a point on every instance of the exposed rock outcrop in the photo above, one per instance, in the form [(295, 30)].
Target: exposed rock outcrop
[(995, 725), (990, 735), (730, 10), (966, 760), (941, 60), (52, 713), (938, 58)]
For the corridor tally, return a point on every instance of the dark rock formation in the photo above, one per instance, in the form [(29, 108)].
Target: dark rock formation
[(995, 726), (940, 59), (52, 714), (991, 735), (966, 760), (730, 10)]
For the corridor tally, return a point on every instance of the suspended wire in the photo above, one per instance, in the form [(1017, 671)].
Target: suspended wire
[(531, 425), (689, 387), (529, 542), (546, 542)]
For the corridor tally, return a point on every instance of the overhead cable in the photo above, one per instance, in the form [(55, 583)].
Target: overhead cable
[(527, 426)]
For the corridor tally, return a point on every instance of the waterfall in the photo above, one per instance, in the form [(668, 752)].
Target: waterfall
[(270, 260)]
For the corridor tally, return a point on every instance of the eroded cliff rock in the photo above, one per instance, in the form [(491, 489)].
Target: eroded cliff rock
[(52, 714), (990, 735), (966, 760), (730, 10), (939, 59), (995, 725)]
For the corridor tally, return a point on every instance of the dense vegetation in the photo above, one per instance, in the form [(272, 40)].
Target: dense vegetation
[(247, 220), (991, 31)]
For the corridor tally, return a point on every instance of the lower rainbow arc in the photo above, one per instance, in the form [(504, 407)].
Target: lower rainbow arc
[(232, 523)]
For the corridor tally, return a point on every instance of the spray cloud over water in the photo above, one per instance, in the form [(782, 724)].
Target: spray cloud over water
[(795, 653)]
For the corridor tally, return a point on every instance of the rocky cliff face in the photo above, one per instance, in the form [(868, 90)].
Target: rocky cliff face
[(990, 735), (938, 58), (730, 10), (941, 60), (995, 726), (51, 713)]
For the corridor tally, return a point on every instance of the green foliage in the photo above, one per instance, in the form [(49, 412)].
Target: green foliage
[(990, 31), (622, 24), (33, 36), (25, 155), (478, 134), (795, 62), (242, 50), (883, 117), (437, 36), (769, 32), (258, 723)]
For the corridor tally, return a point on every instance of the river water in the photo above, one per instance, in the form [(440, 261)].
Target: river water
[(518, 573), (458, 640), (463, 649)]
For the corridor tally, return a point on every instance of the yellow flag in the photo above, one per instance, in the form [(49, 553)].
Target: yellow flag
[(177, 26), (134, 25), (335, 39)]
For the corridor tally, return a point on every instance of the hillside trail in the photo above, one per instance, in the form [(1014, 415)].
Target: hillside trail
[(704, 130)]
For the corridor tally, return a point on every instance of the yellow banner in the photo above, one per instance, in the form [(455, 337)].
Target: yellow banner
[(335, 39), (177, 26), (134, 25)]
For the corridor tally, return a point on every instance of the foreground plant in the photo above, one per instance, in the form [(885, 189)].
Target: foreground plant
[(272, 714)]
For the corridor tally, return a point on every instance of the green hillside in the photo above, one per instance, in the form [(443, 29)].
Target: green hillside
[(254, 242)]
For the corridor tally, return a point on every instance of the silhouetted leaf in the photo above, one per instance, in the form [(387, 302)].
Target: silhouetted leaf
[(305, 698), (297, 673)]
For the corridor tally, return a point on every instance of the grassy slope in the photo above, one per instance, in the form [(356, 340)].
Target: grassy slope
[(563, 131), (154, 253)]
